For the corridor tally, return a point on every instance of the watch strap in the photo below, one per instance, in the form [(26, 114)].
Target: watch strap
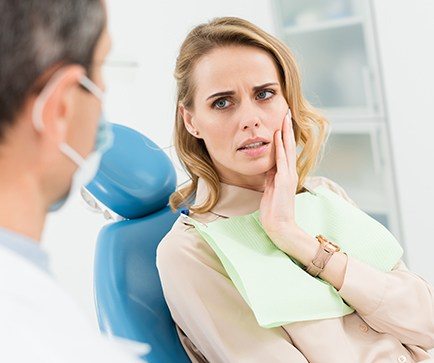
[(322, 257)]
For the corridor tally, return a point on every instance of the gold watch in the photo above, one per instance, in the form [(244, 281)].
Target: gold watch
[(325, 251)]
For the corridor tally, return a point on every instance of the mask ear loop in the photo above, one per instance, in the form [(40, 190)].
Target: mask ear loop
[(41, 99), (72, 154), (37, 115), (92, 88)]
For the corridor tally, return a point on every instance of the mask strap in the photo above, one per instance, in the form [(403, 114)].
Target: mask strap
[(38, 107), (72, 154), (92, 87), (41, 99), (65, 148)]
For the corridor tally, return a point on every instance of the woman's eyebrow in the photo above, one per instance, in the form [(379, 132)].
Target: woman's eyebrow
[(223, 93), (231, 93), (262, 86)]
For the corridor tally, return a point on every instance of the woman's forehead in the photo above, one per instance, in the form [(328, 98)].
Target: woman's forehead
[(229, 66)]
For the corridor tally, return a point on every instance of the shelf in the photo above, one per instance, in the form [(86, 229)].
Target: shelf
[(120, 63), (120, 72), (370, 201), (334, 47), (324, 25), (334, 69), (350, 114), (352, 158), (356, 127)]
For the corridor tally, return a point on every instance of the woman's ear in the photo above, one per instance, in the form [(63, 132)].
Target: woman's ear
[(188, 120)]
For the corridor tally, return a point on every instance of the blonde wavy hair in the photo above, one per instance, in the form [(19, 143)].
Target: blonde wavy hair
[(310, 127)]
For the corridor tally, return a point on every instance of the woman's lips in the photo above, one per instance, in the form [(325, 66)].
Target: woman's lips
[(256, 151)]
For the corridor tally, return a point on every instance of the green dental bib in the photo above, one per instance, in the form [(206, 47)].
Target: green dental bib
[(275, 286)]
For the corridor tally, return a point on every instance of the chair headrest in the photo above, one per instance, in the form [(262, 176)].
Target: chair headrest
[(135, 177)]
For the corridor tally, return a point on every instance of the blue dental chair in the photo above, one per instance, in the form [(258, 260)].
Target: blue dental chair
[(135, 181)]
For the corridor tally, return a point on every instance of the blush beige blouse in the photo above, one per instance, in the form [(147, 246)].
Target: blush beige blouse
[(393, 320)]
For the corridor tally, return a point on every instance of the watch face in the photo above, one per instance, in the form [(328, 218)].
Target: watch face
[(328, 245)]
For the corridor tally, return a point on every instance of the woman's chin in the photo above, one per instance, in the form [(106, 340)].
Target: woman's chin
[(258, 167)]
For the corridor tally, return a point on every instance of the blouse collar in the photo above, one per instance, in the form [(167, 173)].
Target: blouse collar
[(233, 201)]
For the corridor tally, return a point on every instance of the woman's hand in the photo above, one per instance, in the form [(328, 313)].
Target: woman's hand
[(277, 213), (277, 204)]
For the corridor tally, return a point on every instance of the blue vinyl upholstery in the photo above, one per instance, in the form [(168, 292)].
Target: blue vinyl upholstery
[(135, 180)]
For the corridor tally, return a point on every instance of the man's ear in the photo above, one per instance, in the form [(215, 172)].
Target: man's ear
[(188, 120), (56, 102)]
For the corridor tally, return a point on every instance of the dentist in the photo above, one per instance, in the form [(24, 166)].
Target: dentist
[(51, 141)]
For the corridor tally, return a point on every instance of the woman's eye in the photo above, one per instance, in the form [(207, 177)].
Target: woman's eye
[(221, 103), (263, 95)]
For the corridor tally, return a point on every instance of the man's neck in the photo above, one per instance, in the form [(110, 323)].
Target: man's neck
[(21, 207)]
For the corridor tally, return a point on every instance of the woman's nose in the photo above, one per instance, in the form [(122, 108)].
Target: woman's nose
[(250, 124)]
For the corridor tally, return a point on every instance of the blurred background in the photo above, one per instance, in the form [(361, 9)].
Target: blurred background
[(368, 65)]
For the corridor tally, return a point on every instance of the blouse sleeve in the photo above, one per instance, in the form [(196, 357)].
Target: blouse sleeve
[(398, 302)]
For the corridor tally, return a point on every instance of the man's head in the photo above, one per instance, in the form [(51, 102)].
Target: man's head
[(49, 44)]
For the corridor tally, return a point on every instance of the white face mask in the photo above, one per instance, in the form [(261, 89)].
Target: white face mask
[(87, 167)]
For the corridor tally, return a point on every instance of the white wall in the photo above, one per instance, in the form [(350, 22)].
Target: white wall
[(405, 33), (143, 97)]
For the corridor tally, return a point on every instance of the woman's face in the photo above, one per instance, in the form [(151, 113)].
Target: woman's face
[(238, 106)]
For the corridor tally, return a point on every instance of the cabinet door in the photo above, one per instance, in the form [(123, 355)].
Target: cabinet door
[(329, 40), (335, 45), (356, 157)]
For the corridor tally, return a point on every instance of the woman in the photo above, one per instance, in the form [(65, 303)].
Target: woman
[(240, 149)]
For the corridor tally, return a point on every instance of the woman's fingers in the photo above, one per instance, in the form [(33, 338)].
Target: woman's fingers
[(289, 141), (281, 162), (269, 182), (286, 155)]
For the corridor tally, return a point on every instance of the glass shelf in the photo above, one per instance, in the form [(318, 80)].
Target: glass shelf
[(352, 160), (334, 68), (329, 24), (334, 45), (304, 13)]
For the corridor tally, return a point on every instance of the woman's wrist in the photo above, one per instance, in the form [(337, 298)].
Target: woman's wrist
[(300, 245), (303, 247)]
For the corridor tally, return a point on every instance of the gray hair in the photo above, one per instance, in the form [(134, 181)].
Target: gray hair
[(38, 34)]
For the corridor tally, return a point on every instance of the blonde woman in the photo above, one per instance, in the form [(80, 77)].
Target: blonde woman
[(244, 152)]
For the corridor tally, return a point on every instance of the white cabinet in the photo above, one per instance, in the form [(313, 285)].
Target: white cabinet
[(335, 45)]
